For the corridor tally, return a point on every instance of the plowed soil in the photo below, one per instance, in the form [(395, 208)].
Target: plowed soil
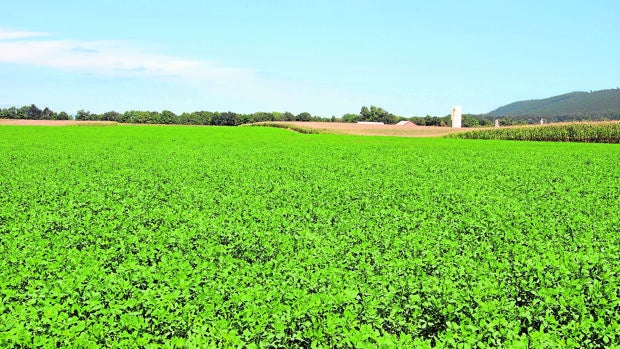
[(371, 129), (321, 127)]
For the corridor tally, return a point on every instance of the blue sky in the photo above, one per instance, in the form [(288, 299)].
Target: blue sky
[(324, 57)]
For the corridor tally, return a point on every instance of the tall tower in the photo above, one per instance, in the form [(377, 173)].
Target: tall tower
[(456, 116)]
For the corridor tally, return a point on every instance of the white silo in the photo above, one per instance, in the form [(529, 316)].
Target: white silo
[(456, 116)]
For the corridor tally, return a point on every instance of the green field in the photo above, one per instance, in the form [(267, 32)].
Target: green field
[(136, 236)]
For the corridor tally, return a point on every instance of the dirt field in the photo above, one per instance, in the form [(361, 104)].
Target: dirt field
[(52, 122), (371, 130), (322, 127)]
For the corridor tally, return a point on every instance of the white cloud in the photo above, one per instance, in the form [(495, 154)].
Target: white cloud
[(110, 58), (12, 34), (121, 59)]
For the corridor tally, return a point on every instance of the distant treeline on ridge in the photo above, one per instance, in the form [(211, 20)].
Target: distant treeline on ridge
[(575, 106), (371, 113)]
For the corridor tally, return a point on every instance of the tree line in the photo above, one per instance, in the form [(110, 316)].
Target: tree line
[(372, 113), (32, 112)]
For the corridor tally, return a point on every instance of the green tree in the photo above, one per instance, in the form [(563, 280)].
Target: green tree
[(305, 116), (5, 113), (262, 116), (288, 116), (350, 117), (376, 114), (33, 113), (154, 117), (277, 116), (365, 114), (138, 116), (469, 121), (82, 115), (167, 117), (47, 114), (229, 119), (110, 116), (506, 121)]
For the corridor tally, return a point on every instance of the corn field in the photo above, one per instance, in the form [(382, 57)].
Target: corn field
[(591, 132)]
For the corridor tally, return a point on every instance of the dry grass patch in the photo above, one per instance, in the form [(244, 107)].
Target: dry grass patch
[(366, 129)]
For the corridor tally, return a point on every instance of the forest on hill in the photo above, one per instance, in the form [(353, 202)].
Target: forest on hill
[(574, 106)]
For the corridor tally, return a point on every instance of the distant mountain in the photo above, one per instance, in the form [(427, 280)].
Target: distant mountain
[(604, 104)]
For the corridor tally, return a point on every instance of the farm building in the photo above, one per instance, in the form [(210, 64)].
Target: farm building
[(370, 123), (405, 123)]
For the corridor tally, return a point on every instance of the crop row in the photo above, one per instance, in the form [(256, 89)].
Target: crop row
[(257, 237)]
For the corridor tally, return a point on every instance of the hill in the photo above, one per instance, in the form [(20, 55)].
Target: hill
[(598, 105)]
